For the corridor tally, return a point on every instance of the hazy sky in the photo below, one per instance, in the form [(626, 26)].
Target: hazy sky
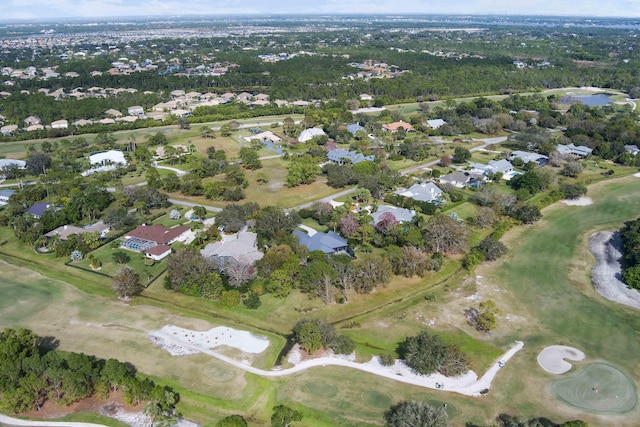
[(42, 9)]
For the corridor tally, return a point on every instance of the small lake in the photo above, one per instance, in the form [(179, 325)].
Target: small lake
[(598, 100)]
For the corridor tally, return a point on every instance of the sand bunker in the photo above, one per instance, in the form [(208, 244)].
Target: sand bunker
[(580, 201), (551, 359), (637, 175), (185, 341), (606, 248)]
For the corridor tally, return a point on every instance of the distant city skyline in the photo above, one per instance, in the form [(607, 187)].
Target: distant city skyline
[(31, 10)]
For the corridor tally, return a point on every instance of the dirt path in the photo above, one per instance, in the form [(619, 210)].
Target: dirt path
[(467, 384), (606, 247)]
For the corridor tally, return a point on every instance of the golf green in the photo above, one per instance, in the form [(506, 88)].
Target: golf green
[(597, 387)]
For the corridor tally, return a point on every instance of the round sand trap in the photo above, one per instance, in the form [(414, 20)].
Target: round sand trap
[(551, 359), (597, 387)]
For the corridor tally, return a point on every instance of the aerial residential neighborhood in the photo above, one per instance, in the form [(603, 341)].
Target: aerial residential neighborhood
[(267, 214)]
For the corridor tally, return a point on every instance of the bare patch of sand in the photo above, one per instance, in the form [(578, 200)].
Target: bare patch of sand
[(606, 247), (187, 341), (551, 358), (580, 201)]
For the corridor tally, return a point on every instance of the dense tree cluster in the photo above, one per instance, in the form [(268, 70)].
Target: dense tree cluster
[(426, 354), (31, 372), (630, 235), (313, 335)]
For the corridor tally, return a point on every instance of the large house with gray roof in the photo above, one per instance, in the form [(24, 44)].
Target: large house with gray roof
[(341, 156), (527, 157), (423, 192), (240, 247), (400, 214), (329, 242), (573, 150)]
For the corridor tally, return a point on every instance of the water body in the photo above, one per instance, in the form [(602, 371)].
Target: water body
[(598, 100)]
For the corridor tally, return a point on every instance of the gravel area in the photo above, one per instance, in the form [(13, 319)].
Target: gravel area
[(606, 247), (551, 358)]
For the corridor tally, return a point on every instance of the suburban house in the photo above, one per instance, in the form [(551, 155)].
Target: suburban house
[(400, 214), (632, 149), (527, 157), (5, 194), (265, 137), (354, 128), (60, 124), (33, 128), (158, 252), (329, 242), (436, 123), (32, 120), (572, 150), (112, 112), (494, 166), (8, 129), (7, 163), (340, 155), (105, 161), (39, 208), (423, 192), (145, 237), (393, 127), (111, 157), (462, 179), (63, 232), (308, 134), (240, 247), (135, 110)]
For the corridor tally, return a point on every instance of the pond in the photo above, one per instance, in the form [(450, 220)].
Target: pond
[(598, 100)]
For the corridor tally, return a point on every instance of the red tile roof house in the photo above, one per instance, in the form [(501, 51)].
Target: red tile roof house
[(397, 125), (145, 237), (158, 252)]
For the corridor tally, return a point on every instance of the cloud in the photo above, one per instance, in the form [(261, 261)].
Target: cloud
[(110, 8)]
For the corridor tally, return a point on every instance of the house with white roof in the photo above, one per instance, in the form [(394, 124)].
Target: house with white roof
[(423, 192), (105, 161), (60, 124), (135, 110), (436, 123), (573, 150), (266, 136), (7, 163), (308, 134)]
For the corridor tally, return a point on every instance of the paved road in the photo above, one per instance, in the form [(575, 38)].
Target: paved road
[(190, 204), (256, 124)]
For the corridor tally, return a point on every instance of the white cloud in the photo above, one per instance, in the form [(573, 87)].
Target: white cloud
[(108, 8)]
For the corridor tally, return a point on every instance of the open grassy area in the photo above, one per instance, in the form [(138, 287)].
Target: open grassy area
[(547, 273)]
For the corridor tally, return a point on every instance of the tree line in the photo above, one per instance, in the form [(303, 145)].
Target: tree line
[(33, 371)]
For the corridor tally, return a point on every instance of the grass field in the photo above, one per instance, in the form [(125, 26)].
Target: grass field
[(552, 300), (597, 387)]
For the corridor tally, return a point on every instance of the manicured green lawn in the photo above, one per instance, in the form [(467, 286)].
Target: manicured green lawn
[(548, 274)]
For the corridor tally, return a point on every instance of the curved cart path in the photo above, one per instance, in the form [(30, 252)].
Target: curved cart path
[(28, 423), (467, 384)]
